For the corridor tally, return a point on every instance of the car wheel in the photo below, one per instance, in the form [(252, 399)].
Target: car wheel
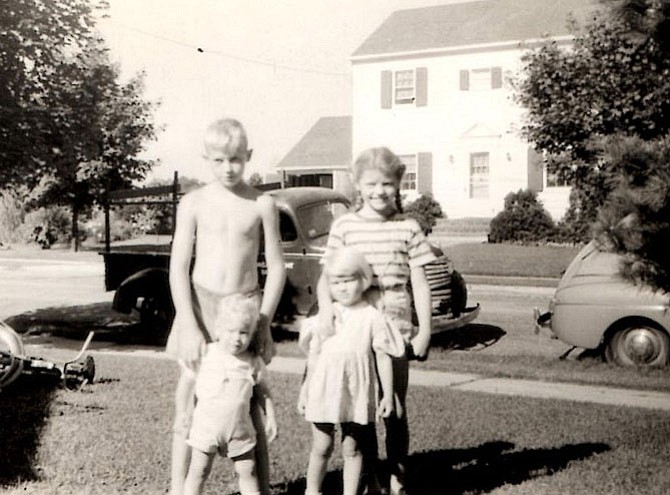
[(639, 344), (155, 318)]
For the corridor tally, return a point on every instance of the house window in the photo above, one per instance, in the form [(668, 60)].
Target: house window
[(479, 175), (556, 180), (482, 79), (407, 87), (408, 182), (404, 86)]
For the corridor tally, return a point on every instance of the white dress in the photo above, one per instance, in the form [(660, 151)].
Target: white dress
[(343, 380)]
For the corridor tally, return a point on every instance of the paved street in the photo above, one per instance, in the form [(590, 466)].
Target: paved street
[(28, 284)]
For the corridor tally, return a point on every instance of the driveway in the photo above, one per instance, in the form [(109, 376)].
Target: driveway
[(32, 282)]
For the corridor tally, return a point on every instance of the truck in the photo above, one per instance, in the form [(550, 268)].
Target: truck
[(138, 272)]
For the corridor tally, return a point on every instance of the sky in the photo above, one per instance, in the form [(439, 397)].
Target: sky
[(277, 66)]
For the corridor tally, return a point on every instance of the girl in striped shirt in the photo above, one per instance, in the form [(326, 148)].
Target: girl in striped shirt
[(397, 250)]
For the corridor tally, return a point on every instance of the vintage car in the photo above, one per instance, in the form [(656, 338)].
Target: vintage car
[(139, 273), (594, 307)]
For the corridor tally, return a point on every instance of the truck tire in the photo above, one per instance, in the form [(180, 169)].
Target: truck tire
[(156, 315)]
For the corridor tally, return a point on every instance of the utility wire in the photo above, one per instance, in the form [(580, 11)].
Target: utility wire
[(256, 61)]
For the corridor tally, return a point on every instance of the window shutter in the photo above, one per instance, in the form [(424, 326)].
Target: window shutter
[(386, 93), (424, 173), (421, 86), (465, 80), (496, 77), (535, 170)]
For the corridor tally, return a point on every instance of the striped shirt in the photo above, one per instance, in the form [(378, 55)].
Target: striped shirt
[(392, 246)]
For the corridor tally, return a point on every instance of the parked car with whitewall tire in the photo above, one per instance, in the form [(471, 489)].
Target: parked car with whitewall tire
[(594, 307)]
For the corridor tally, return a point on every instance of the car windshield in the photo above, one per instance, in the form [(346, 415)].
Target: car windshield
[(316, 219)]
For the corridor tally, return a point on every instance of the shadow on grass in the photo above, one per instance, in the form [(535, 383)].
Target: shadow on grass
[(74, 322), (474, 335), (24, 410), (475, 470)]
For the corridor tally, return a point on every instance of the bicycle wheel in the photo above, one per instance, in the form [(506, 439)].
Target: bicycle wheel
[(11, 355)]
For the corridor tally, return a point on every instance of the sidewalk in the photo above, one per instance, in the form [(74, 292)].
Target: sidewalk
[(645, 399), (510, 386)]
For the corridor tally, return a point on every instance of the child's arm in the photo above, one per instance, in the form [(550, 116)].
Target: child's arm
[(385, 372), (421, 295), (276, 274), (325, 302), (262, 394), (190, 340)]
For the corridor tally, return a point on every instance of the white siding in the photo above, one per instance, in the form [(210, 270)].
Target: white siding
[(451, 126)]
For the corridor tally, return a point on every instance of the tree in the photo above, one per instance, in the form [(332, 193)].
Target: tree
[(600, 112), (635, 219), (73, 131), (644, 20), (33, 37), (255, 179), (605, 84)]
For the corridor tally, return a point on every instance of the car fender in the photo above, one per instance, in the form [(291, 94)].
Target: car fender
[(148, 282), (584, 312)]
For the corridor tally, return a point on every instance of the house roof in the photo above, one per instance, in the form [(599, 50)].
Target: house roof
[(473, 23), (326, 145)]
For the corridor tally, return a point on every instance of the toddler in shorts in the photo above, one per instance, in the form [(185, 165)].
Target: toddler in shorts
[(229, 375)]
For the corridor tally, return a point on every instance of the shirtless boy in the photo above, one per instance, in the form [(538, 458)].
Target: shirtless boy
[(227, 216)]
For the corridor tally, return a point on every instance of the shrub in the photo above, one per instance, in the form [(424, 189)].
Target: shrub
[(12, 214), (47, 226), (426, 211), (523, 219), (120, 229)]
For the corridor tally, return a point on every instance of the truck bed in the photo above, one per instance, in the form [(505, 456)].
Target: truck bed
[(129, 257)]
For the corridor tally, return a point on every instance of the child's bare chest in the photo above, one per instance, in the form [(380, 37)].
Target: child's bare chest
[(233, 219)]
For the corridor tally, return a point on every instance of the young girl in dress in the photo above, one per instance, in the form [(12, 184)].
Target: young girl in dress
[(397, 251), (341, 381)]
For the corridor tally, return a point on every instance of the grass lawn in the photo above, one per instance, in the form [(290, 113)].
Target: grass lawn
[(114, 437), (511, 259)]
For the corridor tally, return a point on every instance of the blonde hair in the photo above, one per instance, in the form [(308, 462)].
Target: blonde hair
[(235, 311), (383, 160), (349, 261), (227, 134)]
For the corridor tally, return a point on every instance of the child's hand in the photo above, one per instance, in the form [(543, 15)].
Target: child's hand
[(420, 345), (264, 343), (310, 337), (186, 341), (385, 408)]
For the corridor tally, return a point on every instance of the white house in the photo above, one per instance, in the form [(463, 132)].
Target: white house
[(433, 85)]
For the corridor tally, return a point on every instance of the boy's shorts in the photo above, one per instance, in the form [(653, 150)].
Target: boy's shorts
[(205, 304)]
